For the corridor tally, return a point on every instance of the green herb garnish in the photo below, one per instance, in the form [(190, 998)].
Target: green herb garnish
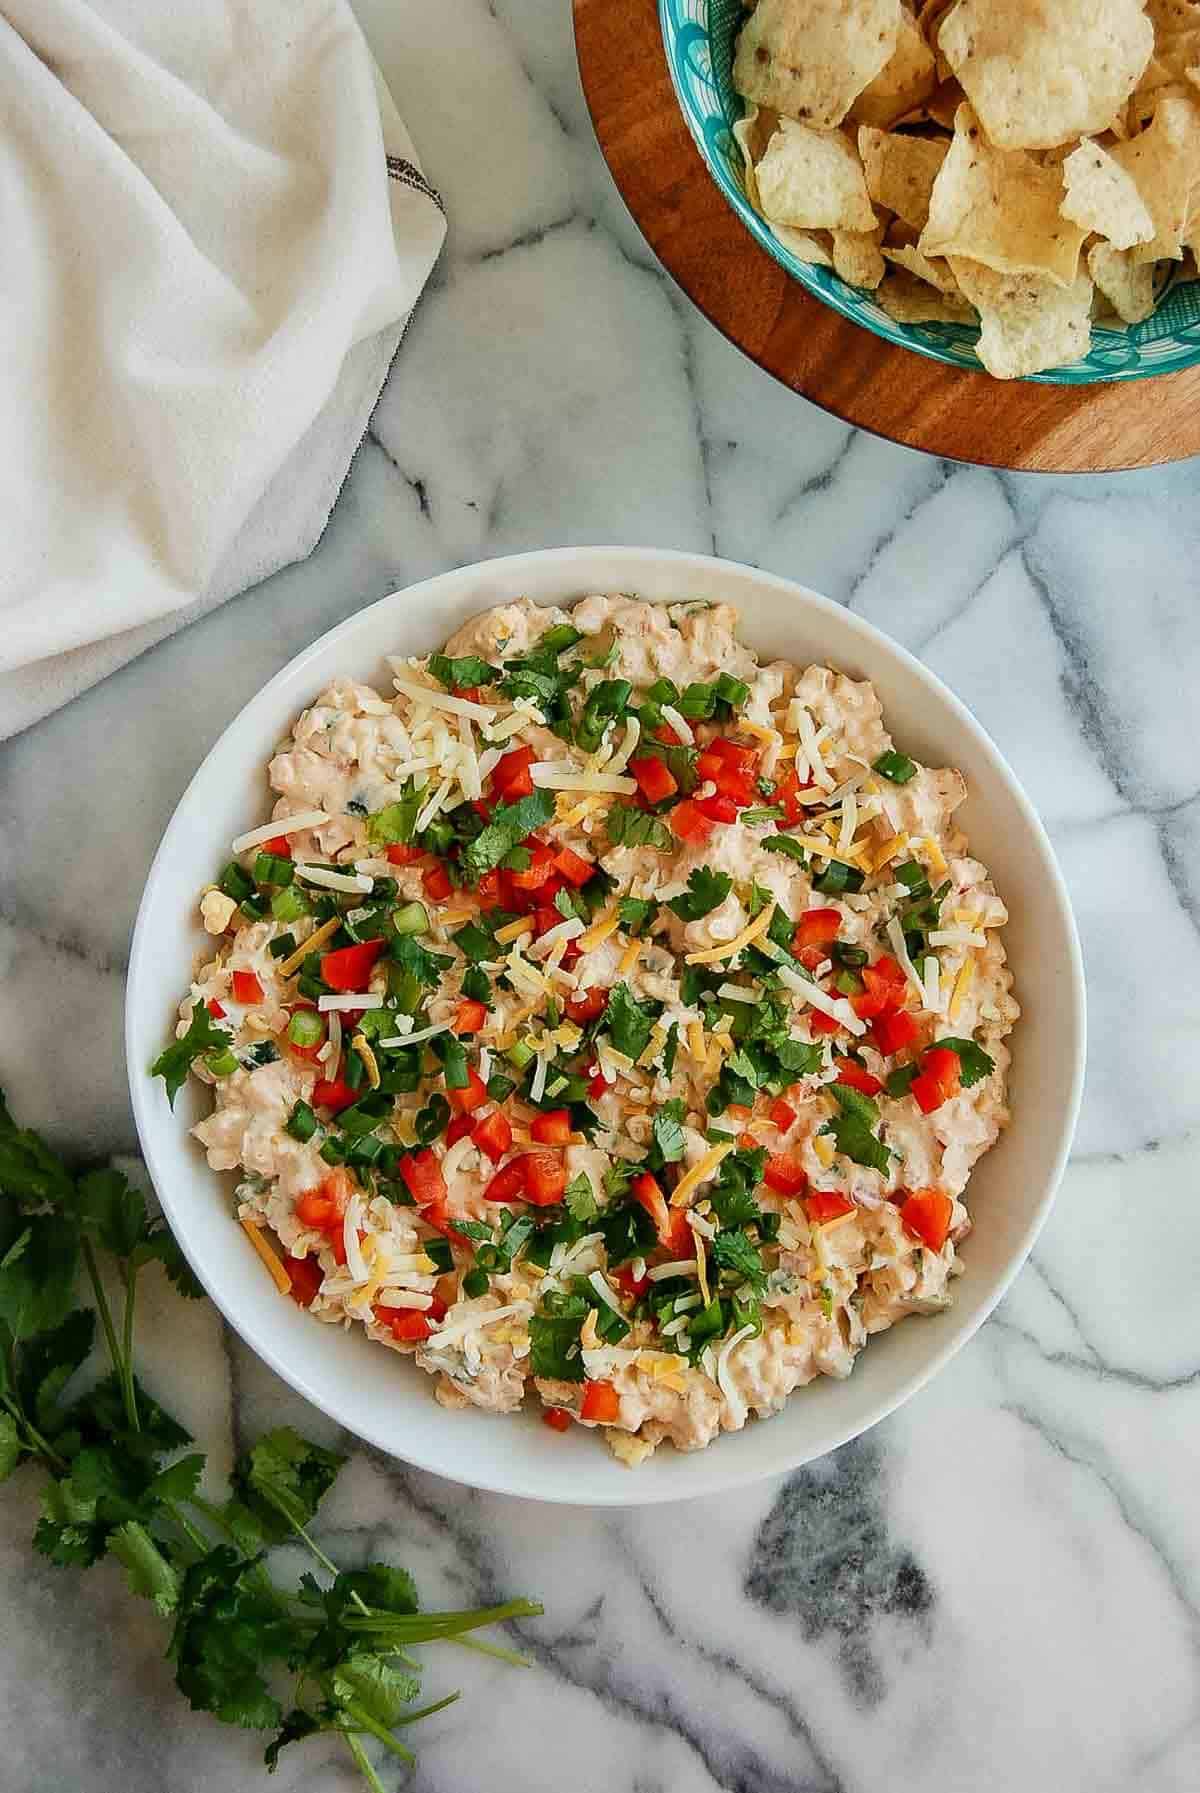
[(974, 1064), (509, 825), (895, 766), (852, 1128), (706, 891), (203, 1036)]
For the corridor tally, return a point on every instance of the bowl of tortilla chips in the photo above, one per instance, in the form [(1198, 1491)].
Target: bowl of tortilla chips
[(1012, 184)]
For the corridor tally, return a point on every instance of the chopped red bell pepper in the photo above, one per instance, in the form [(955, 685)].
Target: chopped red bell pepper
[(689, 822), (470, 1017), (508, 1184), (816, 927), (215, 1010), (510, 779), (493, 1135), (473, 1096), (821, 1023), (436, 883), (279, 846), (824, 1205), (544, 919), (939, 1079), (601, 1403), (718, 808), (399, 854), (408, 1324), (305, 1276), (655, 779), (785, 1174), (855, 1077), (781, 1114), (598, 1084), (460, 1126), (333, 1093), (539, 870), (491, 891), (246, 987), (588, 1006), (645, 1190), (552, 1127), (885, 986), (350, 967), (631, 1286), (894, 1029), (422, 1175), (666, 734), (471, 694), (314, 1209), (545, 1178), (926, 1215), (573, 866), (557, 1418), (787, 795)]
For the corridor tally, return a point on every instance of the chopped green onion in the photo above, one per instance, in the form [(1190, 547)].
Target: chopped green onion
[(306, 1028), (289, 904), (853, 957), (222, 1064), (431, 1120), (697, 703), (236, 883), (476, 985), (271, 868), (476, 1283), (499, 1087), (773, 813), (412, 919), (254, 909), (558, 639), (439, 1251), (355, 1071), (333, 1151), (519, 1055), (838, 878), (895, 766), (731, 691), (281, 947), (475, 942), (302, 1122)]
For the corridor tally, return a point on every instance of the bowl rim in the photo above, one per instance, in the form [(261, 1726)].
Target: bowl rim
[(709, 1472), (1068, 375)]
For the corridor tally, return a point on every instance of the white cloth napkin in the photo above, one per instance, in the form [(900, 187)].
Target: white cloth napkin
[(213, 229)]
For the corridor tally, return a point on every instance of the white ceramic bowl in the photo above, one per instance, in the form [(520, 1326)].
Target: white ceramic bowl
[(376, 1394)]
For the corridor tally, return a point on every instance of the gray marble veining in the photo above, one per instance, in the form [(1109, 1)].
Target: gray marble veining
[(999, 1588)]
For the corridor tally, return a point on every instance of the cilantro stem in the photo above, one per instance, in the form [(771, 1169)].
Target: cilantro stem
[(364, 1767), (191, 1532), (102, 1307), (428, 1627), (365, 1722), (125, 1368), (486, 1649), (40, 1444)]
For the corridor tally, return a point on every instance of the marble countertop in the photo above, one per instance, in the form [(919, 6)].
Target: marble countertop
[(998, 1588)]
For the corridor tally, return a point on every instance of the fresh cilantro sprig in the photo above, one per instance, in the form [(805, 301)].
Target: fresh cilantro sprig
[(203, 1037), (120, 1481), (706, 891), (852, 1128)]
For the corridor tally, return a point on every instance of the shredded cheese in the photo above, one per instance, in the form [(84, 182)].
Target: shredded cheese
[(827, 851), (934, 855), (357, 883), (822, 1145), (891, 849), (599, 932), (962, 984), (557, 775), (278, 1273), (316, 939), (680, 724), (305, 818), (418, 1038), (630, 957), (712, 955), (732, 1399), (836, 1007), (363, 1049), (513, 930), (700, 1173), (895, 934), (350, 999), (439, 700)]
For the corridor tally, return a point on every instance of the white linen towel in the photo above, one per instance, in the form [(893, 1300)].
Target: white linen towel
[(213, 229)]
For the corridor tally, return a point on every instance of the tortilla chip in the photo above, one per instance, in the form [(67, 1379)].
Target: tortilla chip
[(1041, 72), (856, 257), (752, 133), (910, 301), (1000, 207), (804, 245), (1027, 322), (1103, 197), (812, 58), (1162, 162), (932, 12), (901, 171), (907, 78), (1128, 285), (813, 180), (936, 272)]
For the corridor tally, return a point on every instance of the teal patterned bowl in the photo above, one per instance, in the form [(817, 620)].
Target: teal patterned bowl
[(699, 37)]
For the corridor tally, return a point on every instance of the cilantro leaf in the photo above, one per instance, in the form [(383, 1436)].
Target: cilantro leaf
[(464, 672), (973, 1062), (11, 1447), (629, 827), (161, 1246), (112, 1210), (734, 1251), (668, 1131), (554, 1346), (706, 891), (203, 1035), (636, 913), (37, 1275), (670, 1048), (800, 1058), (629, 1023), (294, 1728), (785, 844), (379, 1685), (732, 1196), (426, 967), (759, 898), (628, 1232), (147, 1569), (852, 1128), (282, 1481), (509, 825), (475, 942), (29, 1171), (393, 825), (579, 1198), (47, 1363), (229, 1626)]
